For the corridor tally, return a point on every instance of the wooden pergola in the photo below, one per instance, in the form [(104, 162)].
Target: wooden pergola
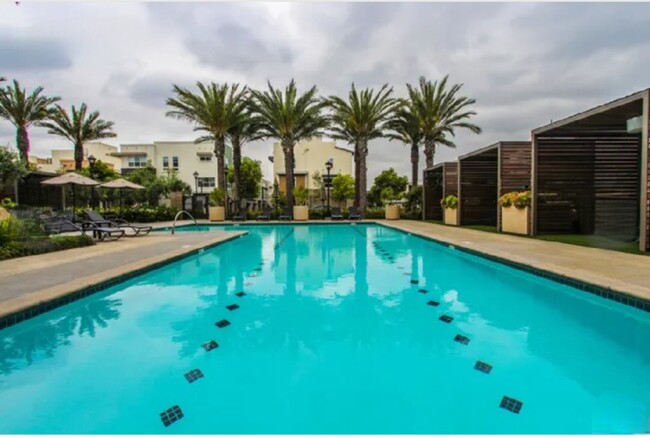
[(486, 174), (439, 181), (590, 172)]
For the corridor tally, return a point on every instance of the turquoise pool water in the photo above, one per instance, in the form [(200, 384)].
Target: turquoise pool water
[(332, 335)]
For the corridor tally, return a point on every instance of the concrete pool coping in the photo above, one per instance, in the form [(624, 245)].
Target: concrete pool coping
[(21, 306)]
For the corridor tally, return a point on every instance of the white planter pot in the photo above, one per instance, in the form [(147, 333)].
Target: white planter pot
[(392, 212), (451, 216), (217, 214), (515, 220), (300, 213)]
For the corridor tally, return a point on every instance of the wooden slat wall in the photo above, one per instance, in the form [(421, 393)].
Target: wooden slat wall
[(646, 112), (515, 168), (451, 179), (478, 188), (433, 193), (588, 183)]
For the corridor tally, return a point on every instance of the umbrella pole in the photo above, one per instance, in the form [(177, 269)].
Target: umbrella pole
[(74, 199)]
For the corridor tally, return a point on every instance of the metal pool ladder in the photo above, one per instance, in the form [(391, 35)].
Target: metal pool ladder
[(180, 213)]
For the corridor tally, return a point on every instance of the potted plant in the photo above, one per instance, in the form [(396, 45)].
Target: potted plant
[(515, 212), (450, 208), (300, 210), (217, 211), (391, 208)]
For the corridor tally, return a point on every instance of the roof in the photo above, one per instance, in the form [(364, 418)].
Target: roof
[(295, 172), (593, 111), (129, 154), (496, 145)]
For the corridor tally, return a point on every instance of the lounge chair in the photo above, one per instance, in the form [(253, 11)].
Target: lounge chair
[(285, 217), (101, 221), (102, 232), (336, 214), (353, 214), (59, 224), (240, 215), (266, 214)]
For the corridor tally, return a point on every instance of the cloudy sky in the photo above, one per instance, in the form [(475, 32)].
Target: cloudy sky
[(524, 63)]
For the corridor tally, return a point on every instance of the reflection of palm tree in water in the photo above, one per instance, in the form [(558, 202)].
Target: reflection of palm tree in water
[(22, 348)]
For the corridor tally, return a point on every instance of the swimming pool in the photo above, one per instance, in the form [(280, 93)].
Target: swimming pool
[(327, 329)]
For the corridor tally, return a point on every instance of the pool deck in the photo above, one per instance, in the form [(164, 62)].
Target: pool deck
[(627, 273), (29, 281)]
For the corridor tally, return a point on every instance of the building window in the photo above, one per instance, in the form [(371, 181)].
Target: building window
[(205, 158), (175, 162), (165, 161), (206, 182), (137, 161)]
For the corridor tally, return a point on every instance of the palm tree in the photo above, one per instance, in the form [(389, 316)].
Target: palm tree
[(404, 127), (439, 111), (213, 111), (79, 127), (361, 119), (245, 129), (24, 110), (289, 118)]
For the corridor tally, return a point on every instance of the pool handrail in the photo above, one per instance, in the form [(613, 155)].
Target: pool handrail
[(179, 214)]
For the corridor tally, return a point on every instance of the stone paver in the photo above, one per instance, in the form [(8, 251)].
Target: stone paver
[(27, 281), (627, 273)]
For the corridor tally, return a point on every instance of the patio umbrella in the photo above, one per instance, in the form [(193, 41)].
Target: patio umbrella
[(121, 184), (73, 179)]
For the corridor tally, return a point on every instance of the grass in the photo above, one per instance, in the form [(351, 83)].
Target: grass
[(588, 240)]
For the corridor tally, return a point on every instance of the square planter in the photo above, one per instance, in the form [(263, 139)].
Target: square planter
[(515, 220), (392, 212), (217, 214), (300, 213), (451, 216)]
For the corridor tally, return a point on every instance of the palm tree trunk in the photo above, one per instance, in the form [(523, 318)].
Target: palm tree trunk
[(220, 153), (78, 155), (415, 163), (22, 143), (356, 175), (429, 151), (363, 174), (287, 147), (236, 169)]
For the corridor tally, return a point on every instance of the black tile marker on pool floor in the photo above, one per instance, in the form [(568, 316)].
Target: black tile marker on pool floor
[(209, 346), (461, 339), (223, 323), (414, 281), (483, 367), (433, 303), (511, 404), (232, 307), (240, 294), (171, 415), (193, 375), (422, 291), (446, 318)]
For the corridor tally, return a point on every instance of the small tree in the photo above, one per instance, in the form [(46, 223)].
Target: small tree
[(387, 179), (101, 172), (342, 188), (301, 195), (11, 167), (217, 197), (250, 177)]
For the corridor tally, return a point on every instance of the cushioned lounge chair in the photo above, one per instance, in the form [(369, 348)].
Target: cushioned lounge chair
[(99, 220), (266, 214), (240, 215), (353, 214), (336, 214)]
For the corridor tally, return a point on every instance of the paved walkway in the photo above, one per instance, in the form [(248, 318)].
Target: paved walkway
[(622, 272), (28, 281)]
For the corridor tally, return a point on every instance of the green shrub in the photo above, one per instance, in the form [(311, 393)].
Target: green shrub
[(301, 195), (42, 245), (375, 213), (140, 214), (518, 199), (320, 213), (217, 197), (253, 214), (415, 215), (450, 201), (8, 203), (13, 229)]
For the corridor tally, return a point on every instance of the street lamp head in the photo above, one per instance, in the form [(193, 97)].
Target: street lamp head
[(196, 174), (329, 164), (92, 160)]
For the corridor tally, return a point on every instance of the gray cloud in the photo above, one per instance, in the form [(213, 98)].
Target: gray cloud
[(524, 63), (20, 53)]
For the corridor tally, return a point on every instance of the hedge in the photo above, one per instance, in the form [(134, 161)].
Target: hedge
[(22, 248)]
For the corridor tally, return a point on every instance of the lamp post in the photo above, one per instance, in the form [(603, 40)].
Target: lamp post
[(92, 160), (328, 165), (196, 181)]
